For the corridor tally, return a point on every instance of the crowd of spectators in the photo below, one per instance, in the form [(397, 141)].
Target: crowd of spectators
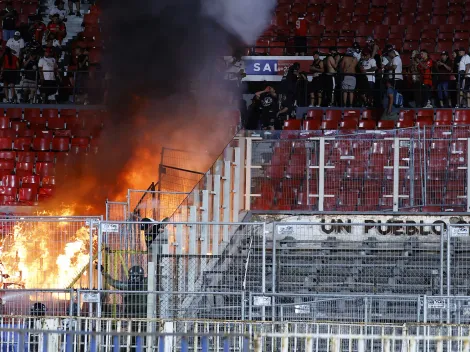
[(357, 77), (36, 65)]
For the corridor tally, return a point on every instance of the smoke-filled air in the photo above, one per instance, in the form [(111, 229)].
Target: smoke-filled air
[(166, 89)]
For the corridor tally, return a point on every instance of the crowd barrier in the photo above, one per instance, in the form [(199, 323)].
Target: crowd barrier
[(41, 335)]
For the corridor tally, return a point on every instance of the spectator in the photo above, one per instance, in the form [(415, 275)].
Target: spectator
[(416, 79), (54, 46), (9, 17), (10, 73), (424, 66), (464, 75), (57, 28), (392, 102), (48, 72), (331, 66), (444, 68), (81, 76), (269, 106), (37, 29), (59, 10), (374, 48), (348, 68), (357, 51), (368, 66), (395, 68), (455, 74), (30, 76), (285, 112), (16, 44), (300, 40), (316, 86), (289, 81), (77, 5)]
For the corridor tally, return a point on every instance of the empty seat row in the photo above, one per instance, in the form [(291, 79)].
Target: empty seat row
[(44, 144)]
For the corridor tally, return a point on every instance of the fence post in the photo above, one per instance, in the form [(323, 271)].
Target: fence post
[(321, 175), (449, 248), (468, 174), (396, 173), (274, 257), (236, 184)]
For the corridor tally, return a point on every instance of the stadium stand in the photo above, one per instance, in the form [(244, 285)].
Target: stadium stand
[(37, 142)]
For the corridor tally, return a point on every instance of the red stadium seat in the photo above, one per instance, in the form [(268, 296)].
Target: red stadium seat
[(22, 143), (45, 169), (5, 143), (46, 193), (348, 125), (407, 115), (31, 113), (405, 124), (386, 125), (462, 117), (50, 113), (8, 191), (26, 157), (48, 181), (333, 115), (11, 181), (14, 113), (61, 144), (46, 156), (422, 121), (27, 195), (315, 114), (31, 182), (8, 133), (24, 169), (312, 125), (42, 144), (329, 125), (7, 164), (18, 126), (291, 124), (7, 155), (367, 125), (444, 116), (68, 113), (4, 122)]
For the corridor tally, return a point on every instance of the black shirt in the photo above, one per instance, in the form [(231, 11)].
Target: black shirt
[(9, 22), (268, 102), (30, 69)]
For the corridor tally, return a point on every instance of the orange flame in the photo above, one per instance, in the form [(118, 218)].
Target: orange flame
[(45, 254)]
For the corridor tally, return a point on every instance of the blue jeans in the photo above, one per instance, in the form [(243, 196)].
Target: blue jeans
[(8, 33), (443, 90)]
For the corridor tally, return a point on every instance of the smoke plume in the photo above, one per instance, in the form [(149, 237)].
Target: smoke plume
[(166, 89)]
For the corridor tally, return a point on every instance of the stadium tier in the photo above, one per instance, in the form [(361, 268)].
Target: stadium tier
[(35, 143), (432, 25)]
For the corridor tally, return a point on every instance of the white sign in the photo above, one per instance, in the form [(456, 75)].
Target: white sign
[(110, 228), (91, 297), (261, 301), (437, 304), (302, 309), (361, 227), (459, 231)]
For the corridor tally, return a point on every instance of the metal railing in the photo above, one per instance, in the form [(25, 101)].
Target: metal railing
[(29, 85), (371, 171)]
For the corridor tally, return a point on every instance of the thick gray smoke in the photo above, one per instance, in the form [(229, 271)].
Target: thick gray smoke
[(166, 53), (244, 18)]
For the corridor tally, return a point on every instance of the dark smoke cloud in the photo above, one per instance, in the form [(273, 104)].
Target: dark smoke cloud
[(164, 52)]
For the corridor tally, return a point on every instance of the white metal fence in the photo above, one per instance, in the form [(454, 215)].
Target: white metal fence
[(380, 171)]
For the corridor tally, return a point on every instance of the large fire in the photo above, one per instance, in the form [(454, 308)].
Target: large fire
[(44, 254)]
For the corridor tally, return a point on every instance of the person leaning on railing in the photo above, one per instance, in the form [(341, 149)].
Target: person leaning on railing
[(444, 68)]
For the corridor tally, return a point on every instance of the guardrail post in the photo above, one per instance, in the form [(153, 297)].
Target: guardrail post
[(116, 346), (396, 173), (226, 344), (468, 174), (184, 344), (321, 175), (161, 344), (204, 344), (236, 185)]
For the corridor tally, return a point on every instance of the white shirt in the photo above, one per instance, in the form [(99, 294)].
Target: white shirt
[(368, 64), (396, 61), (15, 46), (62, 13), (47, 64), (357, 55), (465, 60)]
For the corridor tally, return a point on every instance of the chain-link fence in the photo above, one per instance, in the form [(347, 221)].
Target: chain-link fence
[(389, 170), (48, 252), (116, 211), (153, 204), (358, 258)]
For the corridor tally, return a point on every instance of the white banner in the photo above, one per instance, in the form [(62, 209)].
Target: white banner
[(360, 227)]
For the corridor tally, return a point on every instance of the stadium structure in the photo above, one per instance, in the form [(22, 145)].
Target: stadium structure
[(340, 232)]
